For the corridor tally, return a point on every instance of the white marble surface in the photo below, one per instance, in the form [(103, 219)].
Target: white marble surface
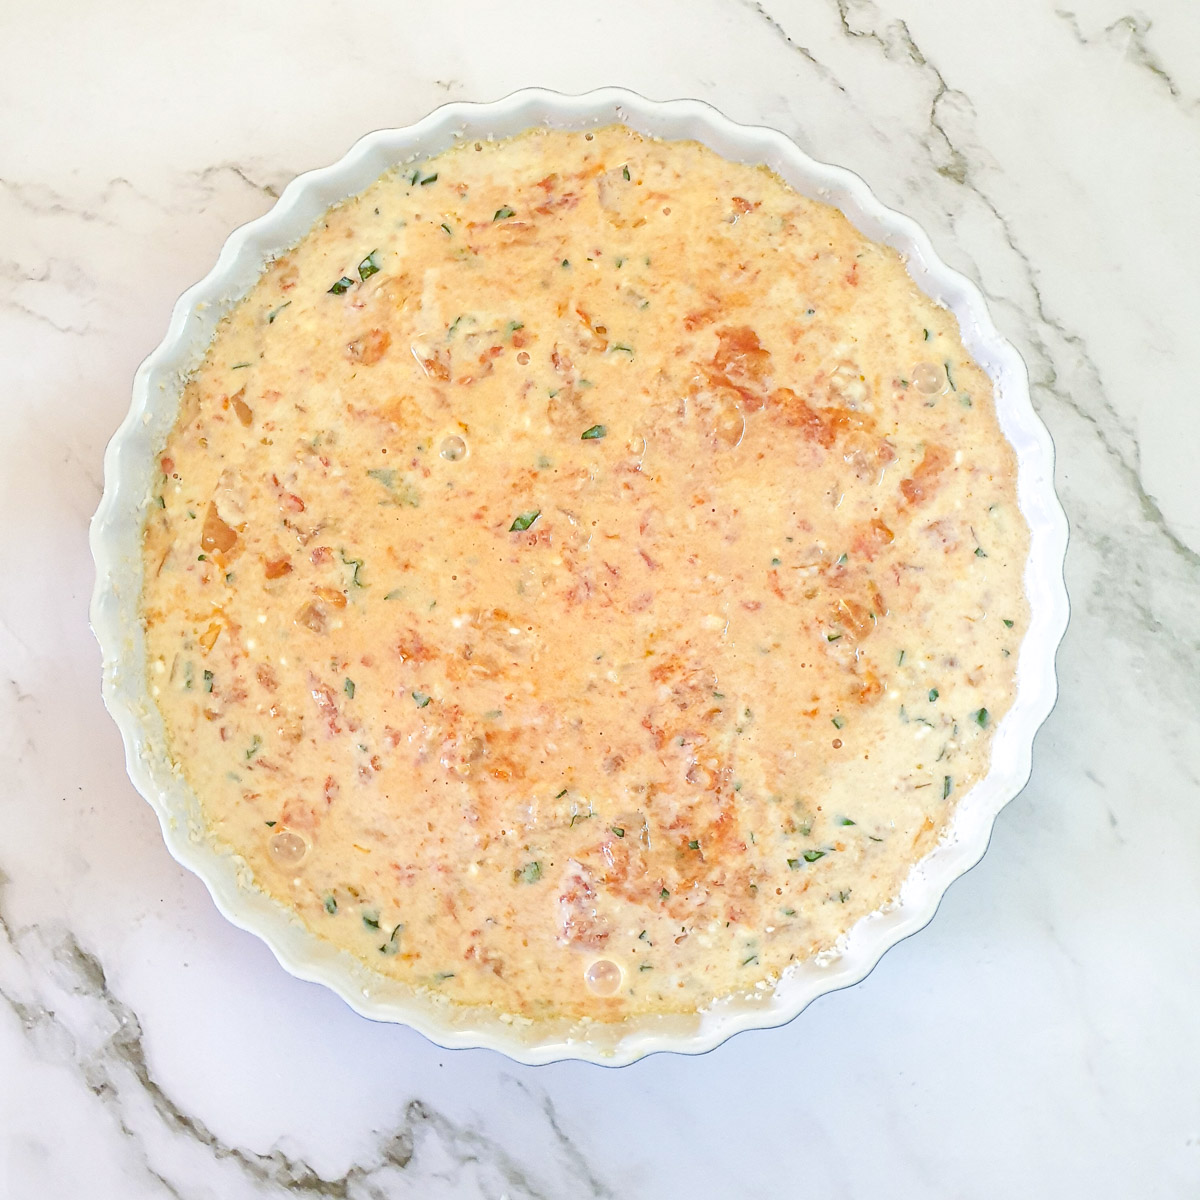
[(1041, 1038)]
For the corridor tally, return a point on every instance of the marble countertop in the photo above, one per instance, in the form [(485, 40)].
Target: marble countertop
[(1040, 1038)]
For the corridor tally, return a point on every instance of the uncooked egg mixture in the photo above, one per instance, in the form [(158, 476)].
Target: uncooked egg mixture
[(585, 575)]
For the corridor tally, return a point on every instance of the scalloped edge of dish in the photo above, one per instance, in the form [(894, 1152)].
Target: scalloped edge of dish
[(116, 548)]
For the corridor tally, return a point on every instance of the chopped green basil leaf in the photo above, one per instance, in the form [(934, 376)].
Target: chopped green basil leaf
[(342, 285), (384, 475), (523, 522), (369, 266), (502, 214), (421, 699), (349, 688), (357, 564), (593, 434)]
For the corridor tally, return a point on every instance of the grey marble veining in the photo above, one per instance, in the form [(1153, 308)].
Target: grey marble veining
[(60, 996), (1038, 1038)]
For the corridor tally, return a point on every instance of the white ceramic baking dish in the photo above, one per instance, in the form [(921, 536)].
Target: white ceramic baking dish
[(130, 464)]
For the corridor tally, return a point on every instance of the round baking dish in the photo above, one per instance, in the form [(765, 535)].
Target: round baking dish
[(129, 466)]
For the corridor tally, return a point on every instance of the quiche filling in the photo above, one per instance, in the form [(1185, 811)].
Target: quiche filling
[(585, 576)]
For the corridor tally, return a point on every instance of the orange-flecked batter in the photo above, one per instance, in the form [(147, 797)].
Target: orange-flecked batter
[(586, 574)]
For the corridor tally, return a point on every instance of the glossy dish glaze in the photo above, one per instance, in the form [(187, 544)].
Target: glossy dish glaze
[(584, 576)]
